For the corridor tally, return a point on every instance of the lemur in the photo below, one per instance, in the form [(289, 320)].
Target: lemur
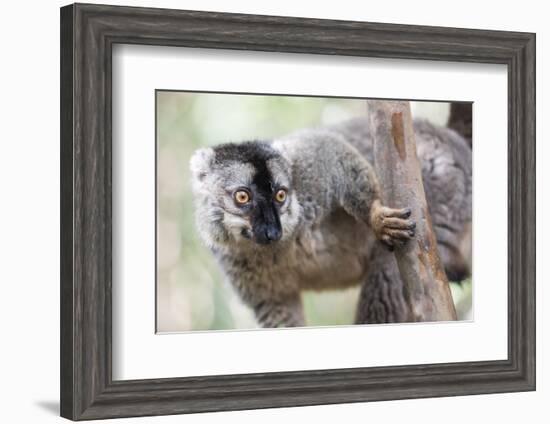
[(303, 212)]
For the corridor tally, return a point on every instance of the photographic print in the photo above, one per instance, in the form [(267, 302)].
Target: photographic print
[(272, 211), (305, 194)]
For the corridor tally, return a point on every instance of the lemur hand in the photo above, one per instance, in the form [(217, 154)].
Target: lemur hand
[(391, 226)]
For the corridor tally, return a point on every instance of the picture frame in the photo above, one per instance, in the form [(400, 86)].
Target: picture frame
[(88, 34)]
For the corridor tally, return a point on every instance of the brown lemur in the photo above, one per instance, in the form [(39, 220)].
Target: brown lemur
[(302, 212)]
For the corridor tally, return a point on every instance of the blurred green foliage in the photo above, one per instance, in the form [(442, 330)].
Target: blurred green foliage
[(191, 291)]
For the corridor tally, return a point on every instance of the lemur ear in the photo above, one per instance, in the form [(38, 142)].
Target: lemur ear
[(201, 162)]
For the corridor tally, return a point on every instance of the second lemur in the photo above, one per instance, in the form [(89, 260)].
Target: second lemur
[(303, 212)]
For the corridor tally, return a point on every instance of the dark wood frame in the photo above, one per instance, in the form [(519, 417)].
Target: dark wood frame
[(88, 33)]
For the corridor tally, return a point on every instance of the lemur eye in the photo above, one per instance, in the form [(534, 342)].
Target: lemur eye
[(280, 196), (241, 197)]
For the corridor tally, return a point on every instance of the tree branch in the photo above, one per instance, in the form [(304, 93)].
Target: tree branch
[(426, 287)]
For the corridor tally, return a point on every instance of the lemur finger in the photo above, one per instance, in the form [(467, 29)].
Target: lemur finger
[(400, 235), (399, 224), (397, 213)]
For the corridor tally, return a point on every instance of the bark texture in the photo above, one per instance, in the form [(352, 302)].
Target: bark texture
[(426, 288)]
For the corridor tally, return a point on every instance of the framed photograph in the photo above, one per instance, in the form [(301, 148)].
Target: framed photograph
[(263, 211)]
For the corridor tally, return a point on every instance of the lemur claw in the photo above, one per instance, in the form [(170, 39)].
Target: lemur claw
[(392, 226)]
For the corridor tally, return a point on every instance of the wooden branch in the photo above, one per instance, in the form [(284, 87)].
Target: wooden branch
[(426, 287)]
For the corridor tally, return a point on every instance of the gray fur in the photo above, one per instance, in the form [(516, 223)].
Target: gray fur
[(327, 220), (446, 161)]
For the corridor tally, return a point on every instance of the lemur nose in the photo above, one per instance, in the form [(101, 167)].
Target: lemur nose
[(273, 233)]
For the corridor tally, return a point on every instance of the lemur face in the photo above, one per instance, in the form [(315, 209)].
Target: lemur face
[(246, 189)]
